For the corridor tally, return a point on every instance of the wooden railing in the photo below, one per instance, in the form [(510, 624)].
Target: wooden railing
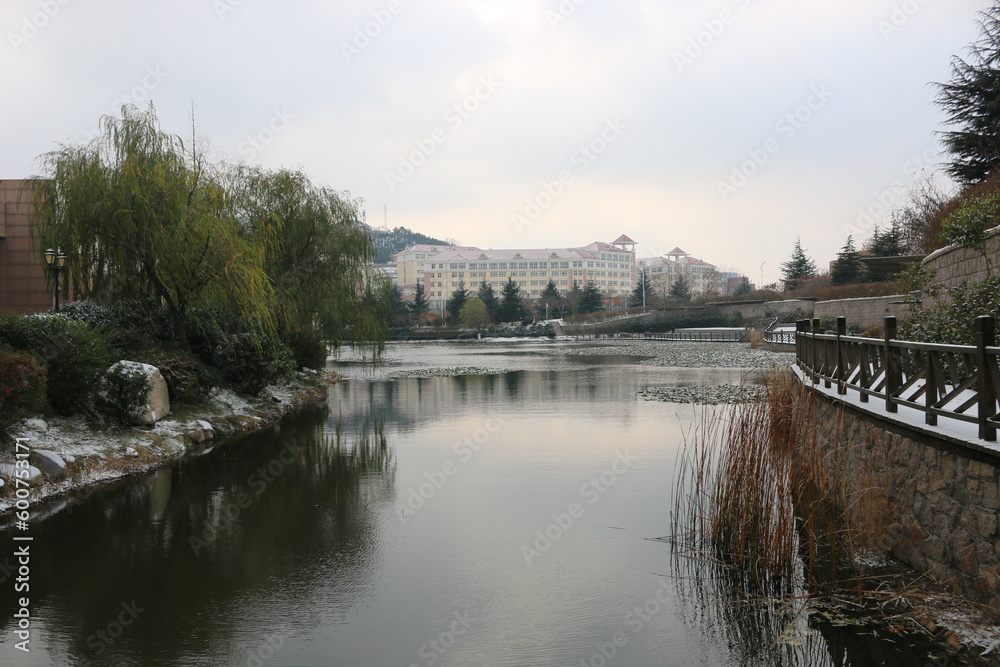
[(957, 382), (786, 337), (728, 336)]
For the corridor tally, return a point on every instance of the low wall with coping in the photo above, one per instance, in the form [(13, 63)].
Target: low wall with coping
[(756, 310), (865, 313), (940, 495)]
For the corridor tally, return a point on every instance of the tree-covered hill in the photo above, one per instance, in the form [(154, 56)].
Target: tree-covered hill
[(392, 241)]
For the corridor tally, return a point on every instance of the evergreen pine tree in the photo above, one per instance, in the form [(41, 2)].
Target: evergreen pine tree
[(681, 290), (457, 300), (420, 305), (512, 308), (552, 301), (889, 243), (642, 292), (591, 300), (970, 101), (573, 298), (848, 269), (799, 268), (396, 307), (489, 298)]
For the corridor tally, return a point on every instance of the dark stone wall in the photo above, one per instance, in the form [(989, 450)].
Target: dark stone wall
[(940, 497)]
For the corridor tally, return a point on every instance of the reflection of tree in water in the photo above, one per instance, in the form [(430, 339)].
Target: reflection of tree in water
[(280, 520)]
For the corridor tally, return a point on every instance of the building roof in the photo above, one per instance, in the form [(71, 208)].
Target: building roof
[(601, 246), (622, 239), (527, 254), (420, 247), (676, 251), (653, 261), (693, 261)]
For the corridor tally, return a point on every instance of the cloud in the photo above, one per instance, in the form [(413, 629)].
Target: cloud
[(561, 75)]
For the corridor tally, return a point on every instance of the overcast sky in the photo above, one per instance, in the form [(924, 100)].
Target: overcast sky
[(724, 127)]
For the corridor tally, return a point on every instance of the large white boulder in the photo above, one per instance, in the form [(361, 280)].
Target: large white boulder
[(157, 401), (49, 462), (12, 472)]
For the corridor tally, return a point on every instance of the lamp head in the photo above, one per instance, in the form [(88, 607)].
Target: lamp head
[(49, 255)]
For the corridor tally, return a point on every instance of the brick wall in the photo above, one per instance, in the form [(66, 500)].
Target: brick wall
[(23, 284)]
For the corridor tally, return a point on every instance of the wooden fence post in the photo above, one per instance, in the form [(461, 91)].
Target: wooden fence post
[(931, 390), (986, 337), (814, 329), (892, 378), (800, 344), (841, 373)]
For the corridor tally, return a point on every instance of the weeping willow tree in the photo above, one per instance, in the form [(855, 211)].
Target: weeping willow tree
[(141, 215), (316, 254)]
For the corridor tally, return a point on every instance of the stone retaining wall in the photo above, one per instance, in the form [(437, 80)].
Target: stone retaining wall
[(941, 497), (954, 265)]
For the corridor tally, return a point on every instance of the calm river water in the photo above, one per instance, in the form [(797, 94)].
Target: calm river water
[(498, 519)]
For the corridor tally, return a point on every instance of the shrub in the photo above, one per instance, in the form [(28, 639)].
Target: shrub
[(89, 312), (662, 324), (129, 324), (22, 386), (75, 355), (185, 376), (124, 390), (308, 350), (954, 322), (252, 361)]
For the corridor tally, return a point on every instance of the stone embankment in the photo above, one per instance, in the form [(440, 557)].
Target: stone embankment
[(69, 456), (937, 496)]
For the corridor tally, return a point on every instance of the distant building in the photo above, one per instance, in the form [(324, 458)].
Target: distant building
[(386, 270), (611, 267), (23, 284), (734, 282), (665, 271)]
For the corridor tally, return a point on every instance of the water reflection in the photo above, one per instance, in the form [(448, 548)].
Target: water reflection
[(268, 519), (295, 534), (779, 626)]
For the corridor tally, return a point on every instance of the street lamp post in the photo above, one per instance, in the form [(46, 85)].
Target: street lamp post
[(762, 274), (56, 260), (643, 289)]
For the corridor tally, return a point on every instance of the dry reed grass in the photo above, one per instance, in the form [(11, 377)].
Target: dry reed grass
[(758, 490)]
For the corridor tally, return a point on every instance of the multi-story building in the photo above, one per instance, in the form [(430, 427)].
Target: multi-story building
[(611, 267), (410, 264), (665, 271)]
